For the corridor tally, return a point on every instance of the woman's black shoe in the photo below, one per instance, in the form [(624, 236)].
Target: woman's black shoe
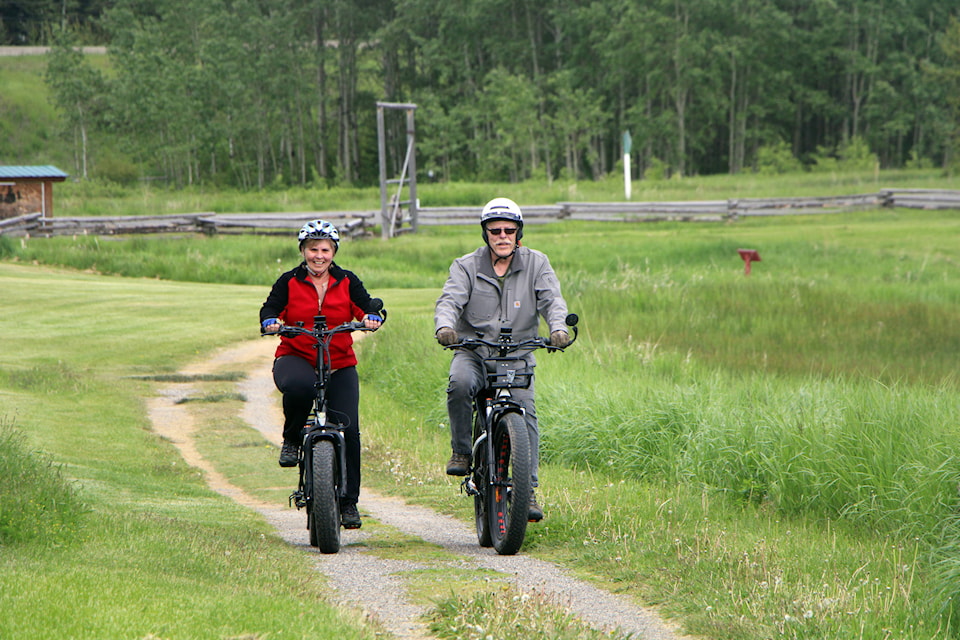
[(289, 454)]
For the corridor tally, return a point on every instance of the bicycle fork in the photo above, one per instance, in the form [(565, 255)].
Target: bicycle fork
[(469, 486), (482, 447), (301, 497)]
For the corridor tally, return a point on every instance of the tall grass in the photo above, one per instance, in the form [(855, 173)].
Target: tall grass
[(843, 447), (749, 506), (37, 503), (885, 458), (819, 392)]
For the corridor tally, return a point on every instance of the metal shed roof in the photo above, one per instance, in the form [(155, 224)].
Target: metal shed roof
[(44, 171)]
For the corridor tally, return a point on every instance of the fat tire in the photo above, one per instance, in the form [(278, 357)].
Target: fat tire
[(324, 506), (508, 497)]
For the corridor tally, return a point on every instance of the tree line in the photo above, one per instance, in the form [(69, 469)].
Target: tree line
[(35, 22), (261, 92)]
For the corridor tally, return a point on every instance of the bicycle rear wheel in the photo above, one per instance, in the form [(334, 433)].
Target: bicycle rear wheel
[(324, 517), (508, 497)]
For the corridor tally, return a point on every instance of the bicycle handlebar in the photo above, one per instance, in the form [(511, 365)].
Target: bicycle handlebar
[(290, 331), (505, 344)]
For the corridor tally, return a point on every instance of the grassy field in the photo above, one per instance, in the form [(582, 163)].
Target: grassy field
[(30, 126), (764, 456), (135, 545)]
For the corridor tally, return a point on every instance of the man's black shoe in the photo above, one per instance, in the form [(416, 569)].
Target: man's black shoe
[(534, 513), (349, 516), (458, 464), (289, 454)]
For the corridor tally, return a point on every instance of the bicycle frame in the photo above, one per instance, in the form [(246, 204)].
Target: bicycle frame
[(495, 399), (318, 428), (499, 478)]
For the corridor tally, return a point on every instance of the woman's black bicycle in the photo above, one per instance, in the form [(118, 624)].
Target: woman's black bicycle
[(500, 474), (323, 465)]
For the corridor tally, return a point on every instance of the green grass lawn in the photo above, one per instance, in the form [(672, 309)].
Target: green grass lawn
[(764, 456), (154, 552)]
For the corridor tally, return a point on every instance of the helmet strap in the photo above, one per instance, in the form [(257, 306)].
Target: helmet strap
[(497, 259)]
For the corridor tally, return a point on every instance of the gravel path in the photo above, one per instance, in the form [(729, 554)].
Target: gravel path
[(375, 584)]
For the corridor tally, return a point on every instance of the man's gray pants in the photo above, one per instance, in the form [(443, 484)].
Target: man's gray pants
[(467, 378)]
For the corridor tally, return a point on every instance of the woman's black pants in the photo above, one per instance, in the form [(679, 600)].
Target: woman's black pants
[(296, 378)]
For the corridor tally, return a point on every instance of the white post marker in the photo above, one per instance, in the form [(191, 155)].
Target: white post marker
[(626, 164)]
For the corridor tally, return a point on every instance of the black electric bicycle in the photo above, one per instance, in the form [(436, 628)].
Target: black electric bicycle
[(323, 466), (500, 473)]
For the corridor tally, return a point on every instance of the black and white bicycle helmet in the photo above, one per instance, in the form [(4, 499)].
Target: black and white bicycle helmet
[(319, 230), (501, 209)]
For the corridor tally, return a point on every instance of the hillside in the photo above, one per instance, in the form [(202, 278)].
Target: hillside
[(29, 125)]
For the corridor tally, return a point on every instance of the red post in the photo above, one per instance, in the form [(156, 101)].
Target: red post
[(748, 255)]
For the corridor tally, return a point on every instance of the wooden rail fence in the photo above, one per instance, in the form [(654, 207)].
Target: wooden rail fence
[(354, 224), (349, 223)]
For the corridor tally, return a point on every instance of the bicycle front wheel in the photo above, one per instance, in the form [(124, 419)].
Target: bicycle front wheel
[(508, 497), (324, 506)]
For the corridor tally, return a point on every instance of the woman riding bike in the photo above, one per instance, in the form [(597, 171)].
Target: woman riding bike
[(318, 286)]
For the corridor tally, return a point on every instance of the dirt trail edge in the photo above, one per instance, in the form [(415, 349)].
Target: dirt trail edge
[(375, 584)]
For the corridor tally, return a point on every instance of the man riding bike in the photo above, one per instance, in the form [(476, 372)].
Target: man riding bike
[(501, 283)]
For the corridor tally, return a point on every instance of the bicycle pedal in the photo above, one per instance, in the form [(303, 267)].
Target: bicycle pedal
[(296, 499), (469, 487)]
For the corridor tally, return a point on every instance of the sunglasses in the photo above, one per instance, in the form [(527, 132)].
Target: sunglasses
[(502, 231)]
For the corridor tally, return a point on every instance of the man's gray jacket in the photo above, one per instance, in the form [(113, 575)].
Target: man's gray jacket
[(476, 303)]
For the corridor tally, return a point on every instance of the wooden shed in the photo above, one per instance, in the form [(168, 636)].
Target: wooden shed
[(28, 189)]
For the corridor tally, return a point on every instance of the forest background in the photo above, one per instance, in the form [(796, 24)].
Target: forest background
[(260, 93)]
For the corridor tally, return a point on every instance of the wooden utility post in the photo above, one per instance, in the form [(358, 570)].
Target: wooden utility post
[(391, 215)]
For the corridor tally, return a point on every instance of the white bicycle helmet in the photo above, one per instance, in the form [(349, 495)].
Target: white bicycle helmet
[(501, 209), (319, 230)]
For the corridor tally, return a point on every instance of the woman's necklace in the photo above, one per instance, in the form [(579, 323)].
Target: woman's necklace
[(320, 284)]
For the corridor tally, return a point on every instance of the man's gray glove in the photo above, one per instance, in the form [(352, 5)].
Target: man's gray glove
[(559, 338), (446, 336)]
